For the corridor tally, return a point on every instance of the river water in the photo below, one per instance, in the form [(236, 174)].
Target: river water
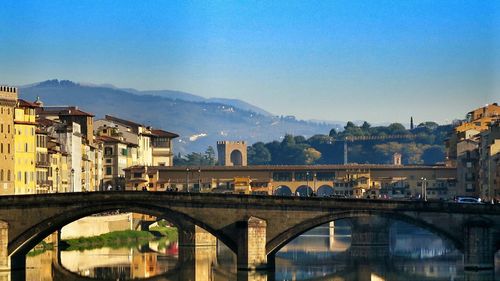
[(327, 252)]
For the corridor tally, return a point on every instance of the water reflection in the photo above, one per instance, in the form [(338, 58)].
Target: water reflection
[(329, 252)]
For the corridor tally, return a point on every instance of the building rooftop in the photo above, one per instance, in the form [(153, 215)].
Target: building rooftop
[(64, 111), (107, 139), (162, 133), (122, 121), (24, 103), (285, 168)]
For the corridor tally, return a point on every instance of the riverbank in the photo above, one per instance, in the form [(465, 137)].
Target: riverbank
[(119, 239), (115, 239)]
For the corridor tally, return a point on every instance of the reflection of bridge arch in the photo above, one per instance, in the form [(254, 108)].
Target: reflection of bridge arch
[(304, 190), (33, 236), (62, 273), (325, 191), (284, 238), (282, 190)]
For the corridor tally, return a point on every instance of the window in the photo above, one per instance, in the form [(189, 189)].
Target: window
[(26, 147), (19, 176), (1, 175), (8, 148), (109, 171), (26, 178), (1, 147), (282, 176), (108, 151), (137, 175), (109, 161), (8, 175), (303, 176), (1, 128), (325, 176), (124, 152)]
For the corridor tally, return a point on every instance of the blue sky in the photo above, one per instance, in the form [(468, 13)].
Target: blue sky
[(332, 60)]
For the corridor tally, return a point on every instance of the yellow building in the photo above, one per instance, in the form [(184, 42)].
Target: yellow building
[(25, 147), (8, 99), (43, 185), (480, 119)]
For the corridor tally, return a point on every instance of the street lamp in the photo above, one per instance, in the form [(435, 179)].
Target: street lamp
[(199, 179), (57, 179), (315, 191), (424, 188), (72, 180), (307, 184), (187, 179)]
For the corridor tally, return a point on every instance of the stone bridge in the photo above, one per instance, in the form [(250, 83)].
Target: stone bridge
[(254, 227)]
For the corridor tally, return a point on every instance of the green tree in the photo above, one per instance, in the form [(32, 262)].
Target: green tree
[(366, 126), (396, 129), (258, 154), (333, 133), (311, 155), (210, 156), (429, 125), (433, 154)]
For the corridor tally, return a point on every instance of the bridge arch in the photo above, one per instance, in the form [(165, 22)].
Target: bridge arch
[(282, 190), (325, 191), (284, 238), (26, 241), (304, 190)]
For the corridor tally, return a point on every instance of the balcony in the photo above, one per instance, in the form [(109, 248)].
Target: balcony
[(44, 183), (42, 164)]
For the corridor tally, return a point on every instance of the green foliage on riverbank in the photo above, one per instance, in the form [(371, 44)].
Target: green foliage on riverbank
[(40, 248), (115, 239), (167, 232)]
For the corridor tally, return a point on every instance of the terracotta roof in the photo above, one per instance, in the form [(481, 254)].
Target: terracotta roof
[(74, 111), (297, 167), (45, 122), (162, 133), (107, 139), (24, 103), (64, 111), (122, 121)]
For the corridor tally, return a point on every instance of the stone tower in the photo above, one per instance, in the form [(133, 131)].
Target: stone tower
[(232, 153), (8, 100)]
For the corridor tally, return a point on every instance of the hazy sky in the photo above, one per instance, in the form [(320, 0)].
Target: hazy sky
[(334, 60)]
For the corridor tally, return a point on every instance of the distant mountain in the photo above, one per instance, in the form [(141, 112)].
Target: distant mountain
[(178, 95), (200, 122)]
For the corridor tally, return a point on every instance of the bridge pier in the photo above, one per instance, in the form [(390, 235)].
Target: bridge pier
[(479, 251), (4, 242), (370, 237), (197, 252), (251, 242)]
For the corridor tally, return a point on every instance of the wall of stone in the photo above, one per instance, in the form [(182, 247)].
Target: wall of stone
[(93, 226)]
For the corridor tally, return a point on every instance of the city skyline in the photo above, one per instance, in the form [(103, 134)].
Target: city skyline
[(348, 59)]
